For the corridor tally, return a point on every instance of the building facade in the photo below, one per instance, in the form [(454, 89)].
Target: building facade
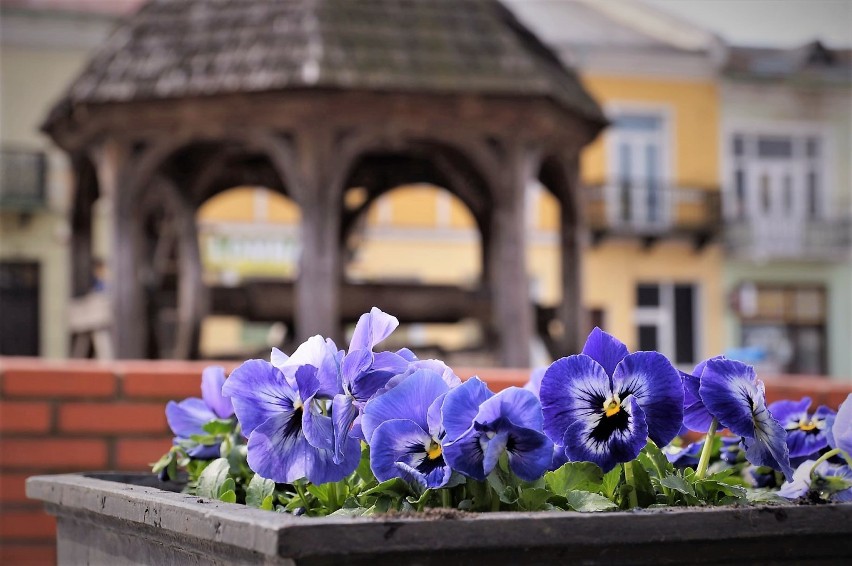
[(785, 146)]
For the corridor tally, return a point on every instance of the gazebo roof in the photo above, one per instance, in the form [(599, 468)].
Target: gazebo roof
[(192, 48)]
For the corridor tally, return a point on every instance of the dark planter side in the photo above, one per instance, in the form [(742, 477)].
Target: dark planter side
[(128, 522)]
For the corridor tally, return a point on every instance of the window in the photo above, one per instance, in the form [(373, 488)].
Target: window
[(666, 317), (775, 177), (788, 324), (637, 192)]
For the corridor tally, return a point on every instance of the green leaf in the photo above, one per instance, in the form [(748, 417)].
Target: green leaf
[(645, 493), (266, 504), (212, 479), (655, 461), (503, 484), (765, 497), (611, 479), (258, 490), (588, 502), (677, 483), (533, 499), (229, 496), (394, 487), (364, 471), (583, 476), (350, 512), (219, 426)]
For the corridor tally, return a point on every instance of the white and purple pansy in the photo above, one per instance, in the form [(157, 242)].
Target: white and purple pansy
[(826, 474), (188, 417), (403, 428), (482, 426), (840, 429), (364, 373), (290, 435), (736, 398), (807, 433), (603, 404)]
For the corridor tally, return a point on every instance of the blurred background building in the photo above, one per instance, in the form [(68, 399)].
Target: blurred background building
[(715, 219)]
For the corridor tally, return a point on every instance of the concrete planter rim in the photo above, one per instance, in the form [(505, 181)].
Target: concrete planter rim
[(281, 536)]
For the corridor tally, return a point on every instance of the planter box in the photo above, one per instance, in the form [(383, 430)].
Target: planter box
[(125, 521)]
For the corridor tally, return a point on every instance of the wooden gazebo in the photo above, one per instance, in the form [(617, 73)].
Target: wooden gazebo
[(311, 98)]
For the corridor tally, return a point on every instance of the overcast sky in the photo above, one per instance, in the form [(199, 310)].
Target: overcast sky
[(777, 23)]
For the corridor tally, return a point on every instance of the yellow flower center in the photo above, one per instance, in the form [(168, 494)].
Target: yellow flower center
[(612, 406), (807, 425), (434, 451)]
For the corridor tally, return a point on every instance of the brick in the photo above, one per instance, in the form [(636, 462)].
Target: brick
[(24, 416), (26, 525), (28, 554), (58, 382), (496, 378), (113, 418), (53, 454), (139, 454), (155, 385), (13, 488)]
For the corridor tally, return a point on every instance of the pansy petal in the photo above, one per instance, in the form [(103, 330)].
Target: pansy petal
[(448, 375), (789, 413), (354, 364), (805, 443), (212, 380), (534, 384), (572, 388), (559, 458), (397, 440), (406, 354), (204, 451), (769, 445), (519, 406), (258, 391), (318, 428), (277, 449), (605, 349), (433, 417), (307, 383), (389, 362), (465, 454), (696, 417), (344, 413), (410, 400), (461, 406), (656, 385), (589, 440), (322, 354), (278, 358), (841, 429), (728, 389), (188, 417), (798, 485), (494, 448), (530, 453), (439, 476), (372, 328)]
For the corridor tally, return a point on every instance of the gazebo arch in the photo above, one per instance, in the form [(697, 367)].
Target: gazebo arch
[(461, 84)]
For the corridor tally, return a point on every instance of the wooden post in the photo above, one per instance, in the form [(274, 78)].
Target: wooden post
[(570, 312), (123, 282), (507, 270), (318, 284)]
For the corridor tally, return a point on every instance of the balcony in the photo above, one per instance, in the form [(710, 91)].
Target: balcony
[(764, 239), (638, 211), (23, 176)]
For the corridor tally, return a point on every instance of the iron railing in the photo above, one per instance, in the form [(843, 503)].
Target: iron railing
[(803, 239)]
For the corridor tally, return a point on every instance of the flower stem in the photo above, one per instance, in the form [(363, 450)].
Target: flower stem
[(300, 489), (628, 477), (333, 496), (704, 460), (822, 459), (445, 498)]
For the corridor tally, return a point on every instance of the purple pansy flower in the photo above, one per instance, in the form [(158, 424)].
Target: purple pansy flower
[(363, 373), (840, 428), (188, 417), (807, 433), (481, 426), (534, 384), (603, 404), (404, 431), (684, 456), (737, 399), (732, 449), (801, 482), (283, 413), (695, 415)]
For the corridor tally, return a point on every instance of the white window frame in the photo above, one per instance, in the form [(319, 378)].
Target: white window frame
[(663, 318), (666, 114)]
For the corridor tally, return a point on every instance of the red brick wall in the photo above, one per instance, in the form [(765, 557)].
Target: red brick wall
[(69, 416)]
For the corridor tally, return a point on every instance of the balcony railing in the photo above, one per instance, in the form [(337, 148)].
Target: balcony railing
[(642, 211), (766, 238), (23, 176)]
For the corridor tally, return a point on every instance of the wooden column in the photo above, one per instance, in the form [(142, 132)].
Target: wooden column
[(570, 312), (318, 284), (507, 270), (123, 284)]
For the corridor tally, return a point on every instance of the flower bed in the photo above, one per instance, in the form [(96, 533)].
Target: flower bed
[(104, 522)]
